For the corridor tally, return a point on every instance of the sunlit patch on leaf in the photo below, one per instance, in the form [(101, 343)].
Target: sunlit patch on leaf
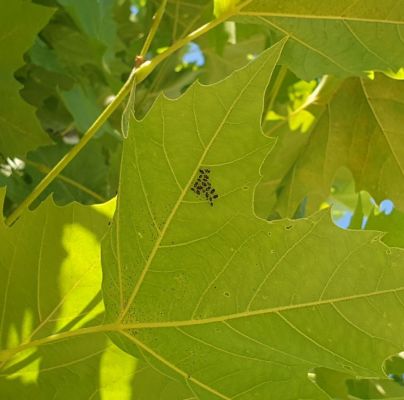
[(399, 75), (301, 120), (224, 6), (273, 116)]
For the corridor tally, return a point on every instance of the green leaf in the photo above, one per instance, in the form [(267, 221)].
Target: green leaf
[(342, 386), (375, 389), (272, 198), (90, 178), (391, 224), (50, 278), (94, 19), (180, 18), (360, 128), (221, 62), (83, 107), (76, 66), (268, 196), (149, 383), (223, 303), (20, 21), (343, 38), (332, 382)]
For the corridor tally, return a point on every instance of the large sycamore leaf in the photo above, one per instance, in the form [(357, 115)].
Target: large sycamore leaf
[(343, 37), (360, 128), (220, 303), (50, 279), (20, 22)]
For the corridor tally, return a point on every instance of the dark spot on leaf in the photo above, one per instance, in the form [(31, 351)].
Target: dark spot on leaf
[(203, 186)]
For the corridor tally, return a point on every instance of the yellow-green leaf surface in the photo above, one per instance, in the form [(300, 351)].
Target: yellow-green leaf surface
[(20, 21), (361, 129), (224, 6), (343, 37), (50, 279), (218, 302)]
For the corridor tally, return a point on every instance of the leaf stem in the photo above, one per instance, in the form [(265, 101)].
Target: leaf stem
[(153, 30), (56, 170), (140, 74), (45, 170), (5, 355)]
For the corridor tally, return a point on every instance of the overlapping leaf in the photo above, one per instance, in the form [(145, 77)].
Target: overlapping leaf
[(20, 21), (50, 277), (391, 224), (360, 128), (94, 18), (182, 17), (221, 303), (343, 38), (223, 57)]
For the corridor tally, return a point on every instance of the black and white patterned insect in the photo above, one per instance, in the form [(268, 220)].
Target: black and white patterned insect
[(202, 187)]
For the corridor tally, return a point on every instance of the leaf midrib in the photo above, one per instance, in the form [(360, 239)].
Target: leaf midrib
[(179, 371), (245, 314), (116, 327)]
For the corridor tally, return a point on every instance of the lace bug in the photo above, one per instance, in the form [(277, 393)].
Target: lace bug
[(202, 187)]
